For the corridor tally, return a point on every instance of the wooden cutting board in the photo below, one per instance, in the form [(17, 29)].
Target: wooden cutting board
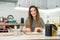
[(6, 34), (34, 33), (27, 33)]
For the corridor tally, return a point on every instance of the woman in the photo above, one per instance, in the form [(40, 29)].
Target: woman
[(33, 23)]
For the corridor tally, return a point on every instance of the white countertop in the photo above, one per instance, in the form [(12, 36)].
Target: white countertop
[(27, 37), (22, 37)]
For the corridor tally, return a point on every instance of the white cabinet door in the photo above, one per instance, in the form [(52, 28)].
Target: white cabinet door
[(42, 4), (38, 3), (22, 3), (58, 3), (51, 3)]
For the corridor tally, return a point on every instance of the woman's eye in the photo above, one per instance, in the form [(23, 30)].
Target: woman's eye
[(34, 10), (30, 10)]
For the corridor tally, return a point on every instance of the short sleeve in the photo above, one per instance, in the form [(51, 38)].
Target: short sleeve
[(42, 23)]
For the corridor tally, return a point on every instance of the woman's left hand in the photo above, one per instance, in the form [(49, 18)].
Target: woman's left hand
[(38, 29)]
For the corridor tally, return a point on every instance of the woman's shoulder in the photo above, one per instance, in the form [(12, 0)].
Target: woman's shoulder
[(41, 18)]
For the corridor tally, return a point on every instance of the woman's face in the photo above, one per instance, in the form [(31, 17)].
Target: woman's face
[(33, 12)]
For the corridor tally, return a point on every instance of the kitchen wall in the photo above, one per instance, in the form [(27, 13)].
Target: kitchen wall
[(8, 9)]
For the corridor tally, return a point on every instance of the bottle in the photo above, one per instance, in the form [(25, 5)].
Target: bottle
[(48, 21), (15, 27), (15, 30)]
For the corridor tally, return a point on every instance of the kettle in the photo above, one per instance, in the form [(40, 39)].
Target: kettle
[(10, 17), (50, 30)]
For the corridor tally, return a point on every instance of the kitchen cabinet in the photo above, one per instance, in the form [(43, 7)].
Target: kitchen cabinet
[(53, 3), (58, 3), (42, 4), (9, 24), (28, 3)]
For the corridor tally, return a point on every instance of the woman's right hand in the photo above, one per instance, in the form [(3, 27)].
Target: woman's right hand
[(26, 30), (38, 29)]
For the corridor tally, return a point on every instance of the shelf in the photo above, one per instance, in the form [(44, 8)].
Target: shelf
[(1, 24)]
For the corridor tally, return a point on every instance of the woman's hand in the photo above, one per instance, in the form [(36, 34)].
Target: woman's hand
[(26, 30), (38, 29)]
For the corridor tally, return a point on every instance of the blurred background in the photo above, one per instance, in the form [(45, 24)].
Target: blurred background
[(49, 9)]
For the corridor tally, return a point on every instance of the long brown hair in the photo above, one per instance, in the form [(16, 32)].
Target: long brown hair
[(30, 17)]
